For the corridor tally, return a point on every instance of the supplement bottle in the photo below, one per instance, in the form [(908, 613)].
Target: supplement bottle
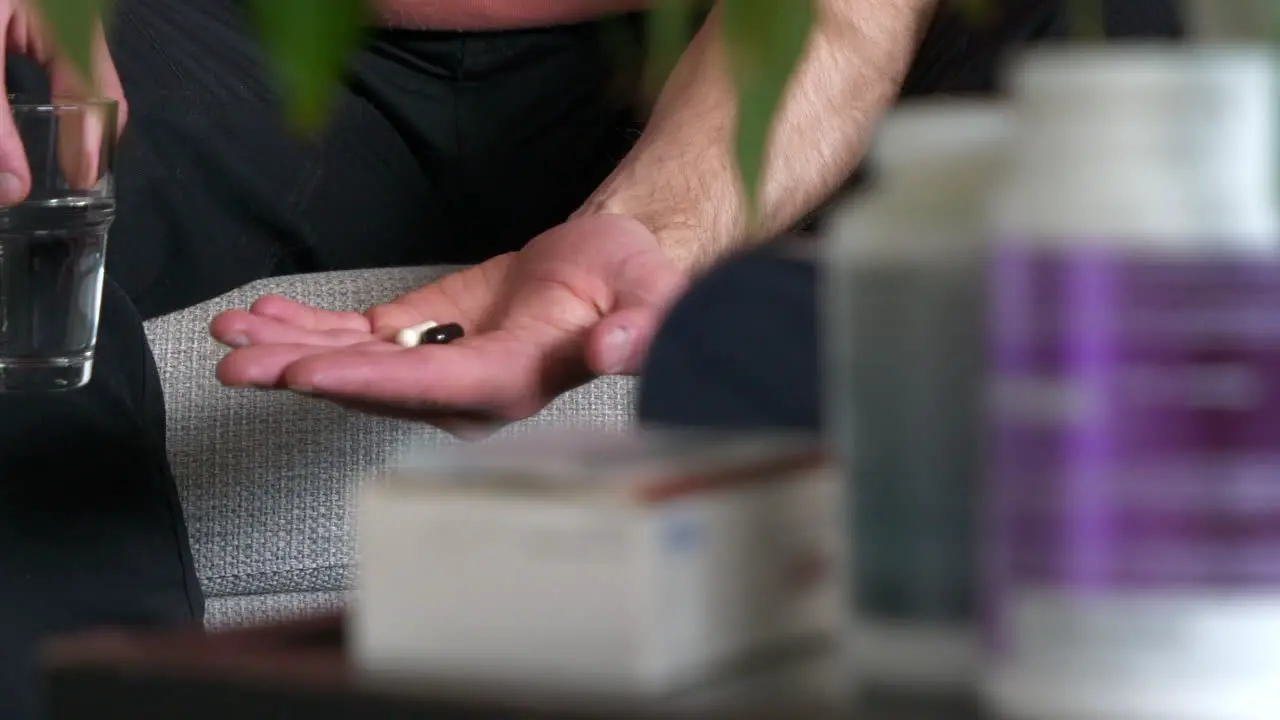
[(904, 329), (1134, 497)]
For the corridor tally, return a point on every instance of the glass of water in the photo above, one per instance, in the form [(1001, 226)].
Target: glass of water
[(53, 244)]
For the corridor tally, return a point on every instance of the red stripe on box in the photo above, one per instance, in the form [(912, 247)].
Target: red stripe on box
[(783, 468)]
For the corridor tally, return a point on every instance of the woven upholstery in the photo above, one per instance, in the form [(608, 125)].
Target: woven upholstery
[(267, 478)]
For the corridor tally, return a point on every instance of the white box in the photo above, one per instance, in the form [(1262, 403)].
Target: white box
[(640, 563)]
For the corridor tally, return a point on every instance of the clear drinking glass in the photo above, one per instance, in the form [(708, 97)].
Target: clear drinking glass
[(53, 244)]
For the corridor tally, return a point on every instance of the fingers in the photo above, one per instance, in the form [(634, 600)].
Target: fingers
[(383, 321), (65, 81), (15, 176), (238, 328), (470, 378), (389, 319), (261, 366), (465, 296), (305, 316), (85, 135), (276, 332), (265, 366), (453, 388)]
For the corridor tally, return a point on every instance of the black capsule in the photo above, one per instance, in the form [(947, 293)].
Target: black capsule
[(442, 334)]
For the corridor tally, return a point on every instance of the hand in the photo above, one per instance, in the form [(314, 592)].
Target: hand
[(582, 299), (80, 140)]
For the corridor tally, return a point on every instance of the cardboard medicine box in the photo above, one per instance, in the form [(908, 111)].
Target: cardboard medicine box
[(634, 563)]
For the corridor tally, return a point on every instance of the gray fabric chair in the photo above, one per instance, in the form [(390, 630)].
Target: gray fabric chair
[(267, 479)]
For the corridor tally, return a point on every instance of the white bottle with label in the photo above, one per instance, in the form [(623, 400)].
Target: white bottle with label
[(1133, 569), (904, 304)]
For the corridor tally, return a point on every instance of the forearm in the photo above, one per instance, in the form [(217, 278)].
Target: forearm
[(681, 178)]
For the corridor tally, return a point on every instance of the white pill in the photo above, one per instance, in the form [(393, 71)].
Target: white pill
[(412, 335)]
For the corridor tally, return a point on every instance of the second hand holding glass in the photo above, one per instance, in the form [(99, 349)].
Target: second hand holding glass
[(53, 244)]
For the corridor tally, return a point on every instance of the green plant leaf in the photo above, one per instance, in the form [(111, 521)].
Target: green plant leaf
[(308, 44), (980, 12), (670, 27), (765, 40), (73, 23)]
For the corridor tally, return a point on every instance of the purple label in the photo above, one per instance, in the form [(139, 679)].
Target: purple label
[(1136, 407)]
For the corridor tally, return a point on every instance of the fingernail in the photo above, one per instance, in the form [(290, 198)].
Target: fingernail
[(302, 389), (617, 349), (237, 341), (10, 189)]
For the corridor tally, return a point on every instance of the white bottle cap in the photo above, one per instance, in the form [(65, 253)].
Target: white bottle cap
[(1136, 76), (1135, 143), (934, 165), (922, 135)]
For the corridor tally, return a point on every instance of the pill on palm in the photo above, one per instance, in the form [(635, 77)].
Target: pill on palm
[(412, 335), (442, 334)]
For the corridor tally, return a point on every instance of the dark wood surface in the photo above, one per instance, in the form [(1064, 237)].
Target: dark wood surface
[(299, 671)]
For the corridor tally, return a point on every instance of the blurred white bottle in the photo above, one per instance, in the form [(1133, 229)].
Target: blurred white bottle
[(1134, 565), (905, 330)]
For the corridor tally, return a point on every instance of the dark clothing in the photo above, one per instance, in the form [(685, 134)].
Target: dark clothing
[(740, 349), (91, 532)]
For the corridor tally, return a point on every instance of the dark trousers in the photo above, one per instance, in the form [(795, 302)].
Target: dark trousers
[(91, 532), (740, 349)]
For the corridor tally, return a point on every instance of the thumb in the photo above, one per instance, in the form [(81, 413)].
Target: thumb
[(67, 83), (618, 344), (646, 287), (15, 176)]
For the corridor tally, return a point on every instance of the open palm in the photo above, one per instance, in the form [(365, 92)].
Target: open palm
[(580, 300)]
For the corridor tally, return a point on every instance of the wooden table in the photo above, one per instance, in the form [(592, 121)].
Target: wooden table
[(299, 671)]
